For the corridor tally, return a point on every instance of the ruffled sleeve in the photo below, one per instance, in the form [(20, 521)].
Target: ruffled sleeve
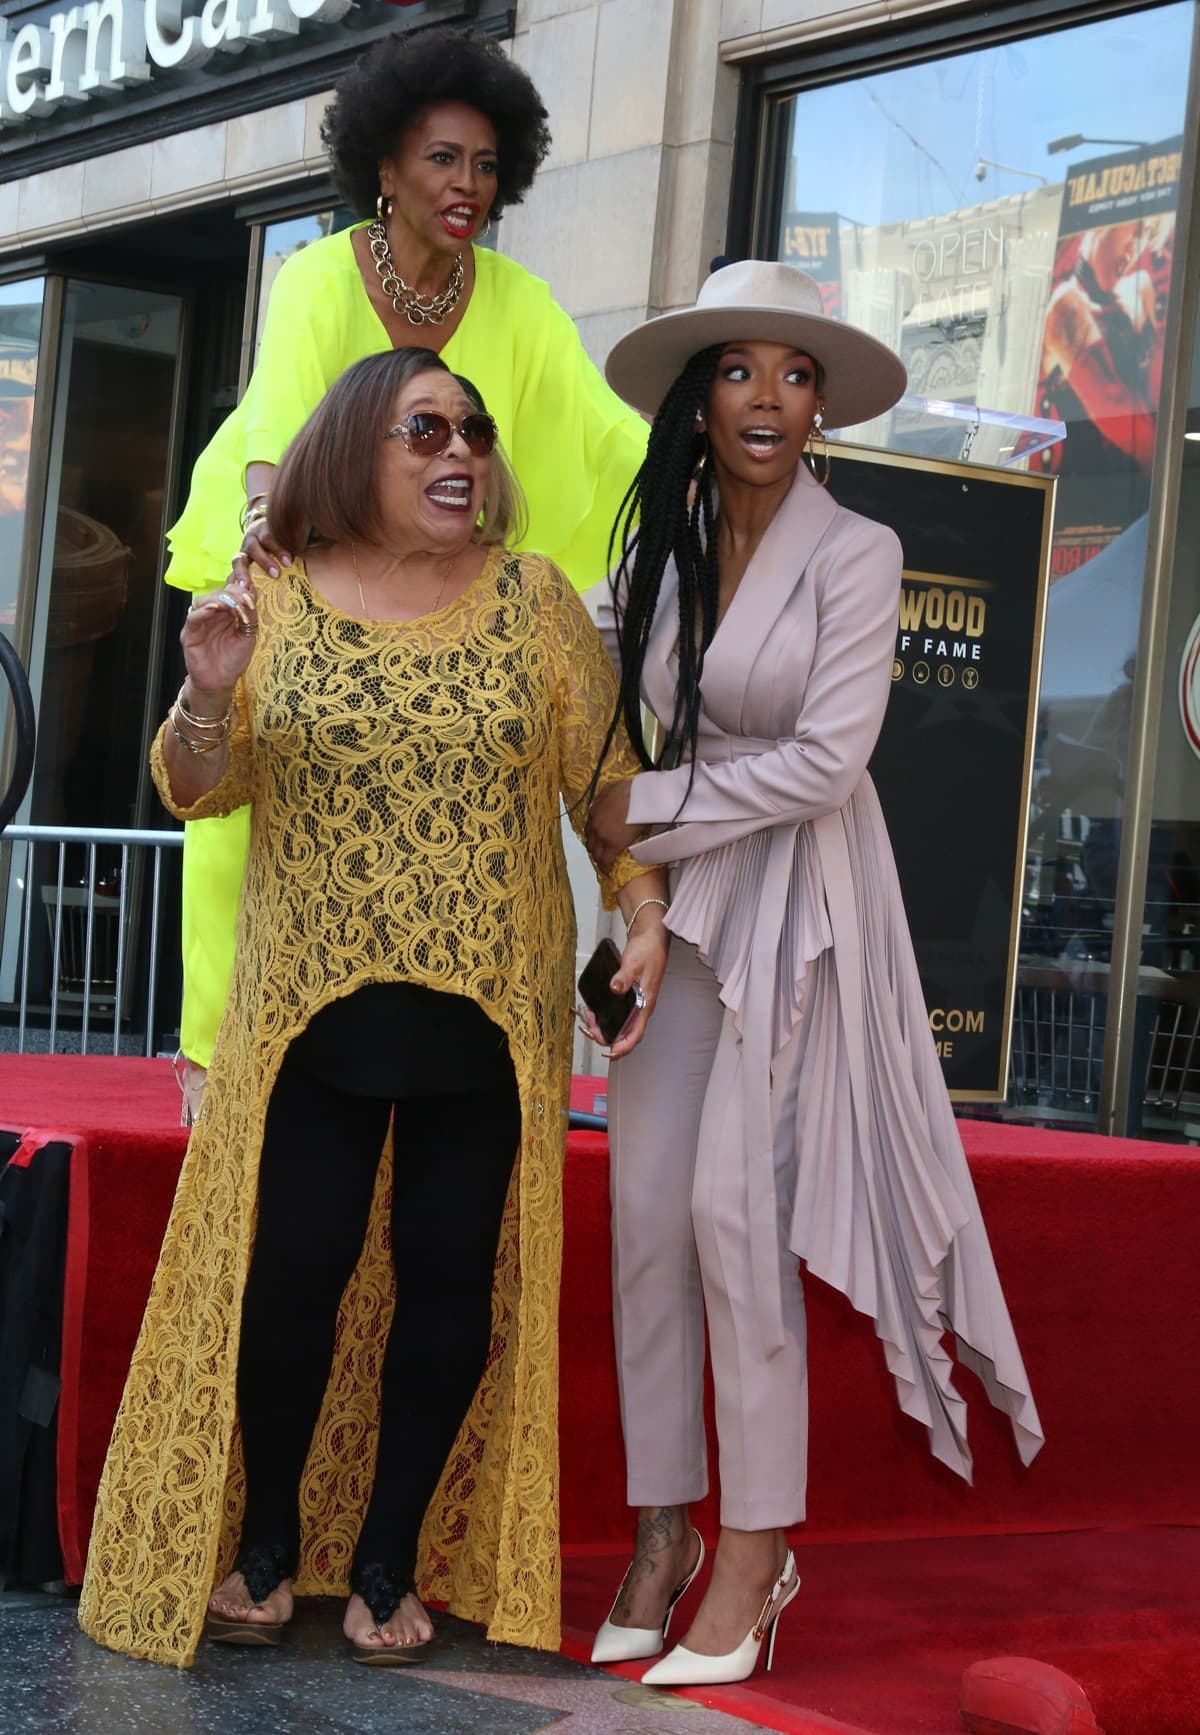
[(302, 352), (575, 445)]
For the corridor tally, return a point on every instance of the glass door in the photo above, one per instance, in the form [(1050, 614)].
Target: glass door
[(101, 557), (95, 620)]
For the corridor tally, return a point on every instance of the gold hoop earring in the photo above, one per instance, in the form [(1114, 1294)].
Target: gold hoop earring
[(817, 432), (383, 208), (487, 229)]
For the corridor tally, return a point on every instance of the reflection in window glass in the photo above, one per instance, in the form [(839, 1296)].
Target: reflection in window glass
[(96, 591), (281, 240), (20, 331), (1004, 218), (978, 217)]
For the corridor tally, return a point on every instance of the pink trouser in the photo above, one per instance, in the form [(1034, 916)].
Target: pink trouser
[(681, 1251)]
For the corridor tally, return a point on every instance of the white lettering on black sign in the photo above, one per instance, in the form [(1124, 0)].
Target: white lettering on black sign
[(109, 45)]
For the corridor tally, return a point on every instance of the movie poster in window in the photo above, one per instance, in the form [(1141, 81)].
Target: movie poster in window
[(1102, 345)]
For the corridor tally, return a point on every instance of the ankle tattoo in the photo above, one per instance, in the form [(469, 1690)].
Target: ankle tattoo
[(655, 1535)]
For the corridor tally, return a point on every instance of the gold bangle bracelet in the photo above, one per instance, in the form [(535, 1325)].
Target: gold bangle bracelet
[(253, 511), (186, 741), (202, 722)]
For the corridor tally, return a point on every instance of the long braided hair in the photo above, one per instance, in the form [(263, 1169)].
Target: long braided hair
[(669, 509)]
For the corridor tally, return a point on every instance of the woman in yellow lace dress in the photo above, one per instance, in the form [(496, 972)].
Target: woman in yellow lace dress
[(403, 707)]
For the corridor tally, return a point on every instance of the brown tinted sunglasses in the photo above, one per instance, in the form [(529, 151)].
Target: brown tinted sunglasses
[(428, 433)]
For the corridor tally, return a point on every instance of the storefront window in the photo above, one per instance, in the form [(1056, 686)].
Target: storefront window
[(20, 334), (93, 620), (107, 475), (1004, 218)]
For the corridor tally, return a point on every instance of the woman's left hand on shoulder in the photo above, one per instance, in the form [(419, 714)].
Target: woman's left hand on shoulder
[(608, 830), (642, 965)]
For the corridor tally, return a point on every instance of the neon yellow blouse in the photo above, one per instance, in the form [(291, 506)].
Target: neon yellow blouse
[(574, 445)]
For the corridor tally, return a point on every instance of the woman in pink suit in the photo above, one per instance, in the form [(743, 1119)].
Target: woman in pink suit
[(788, 1100)]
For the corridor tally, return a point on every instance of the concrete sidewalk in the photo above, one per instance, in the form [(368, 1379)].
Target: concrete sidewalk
[(53, 1678)]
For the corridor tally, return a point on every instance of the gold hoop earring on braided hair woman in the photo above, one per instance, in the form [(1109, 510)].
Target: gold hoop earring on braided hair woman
[(815, 433)]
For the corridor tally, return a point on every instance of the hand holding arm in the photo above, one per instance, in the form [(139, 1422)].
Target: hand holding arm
[(608, 832), (259, 546)]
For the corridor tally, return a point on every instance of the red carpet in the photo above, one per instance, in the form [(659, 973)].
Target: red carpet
[(124, 1116), (1095, 1241), (881, 1632)]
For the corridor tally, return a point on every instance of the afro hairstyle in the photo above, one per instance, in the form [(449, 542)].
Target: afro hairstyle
[(400, 76)]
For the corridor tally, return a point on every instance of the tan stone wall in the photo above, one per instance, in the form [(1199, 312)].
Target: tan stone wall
[(631, 205), (271, 148)]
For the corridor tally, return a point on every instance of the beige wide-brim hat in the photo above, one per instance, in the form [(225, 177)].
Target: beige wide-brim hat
[(755, 300)]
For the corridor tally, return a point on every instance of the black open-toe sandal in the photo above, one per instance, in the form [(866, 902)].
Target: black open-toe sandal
[(263, 1565), (383, 1589)]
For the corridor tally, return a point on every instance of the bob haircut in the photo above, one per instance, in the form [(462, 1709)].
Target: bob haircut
[(327, 487), (402, 75)]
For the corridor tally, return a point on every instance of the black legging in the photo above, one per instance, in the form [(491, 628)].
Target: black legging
[(453, 1158)]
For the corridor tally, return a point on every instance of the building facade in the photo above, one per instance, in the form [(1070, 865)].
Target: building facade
[(1001, 193)]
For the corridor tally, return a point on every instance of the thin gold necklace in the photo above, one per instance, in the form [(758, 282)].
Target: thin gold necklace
[(362, 601)]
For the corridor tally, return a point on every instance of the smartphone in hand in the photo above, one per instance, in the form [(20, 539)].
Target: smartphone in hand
[(611, 1011)]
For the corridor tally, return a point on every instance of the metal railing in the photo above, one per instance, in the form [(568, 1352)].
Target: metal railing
[(1058, 1050), (94, 924)]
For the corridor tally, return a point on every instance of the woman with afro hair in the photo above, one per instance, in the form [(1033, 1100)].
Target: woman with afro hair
[(432, 134)]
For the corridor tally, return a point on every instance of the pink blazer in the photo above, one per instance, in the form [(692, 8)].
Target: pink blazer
[(784, 880)]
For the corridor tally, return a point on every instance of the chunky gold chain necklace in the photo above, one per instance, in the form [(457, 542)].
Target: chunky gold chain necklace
[(418, 309)]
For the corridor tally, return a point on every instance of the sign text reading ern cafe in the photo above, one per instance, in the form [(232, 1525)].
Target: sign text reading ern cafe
[(107, 45)]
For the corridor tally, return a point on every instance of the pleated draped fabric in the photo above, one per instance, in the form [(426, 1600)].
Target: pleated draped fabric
[(405, 784), (783, 878)]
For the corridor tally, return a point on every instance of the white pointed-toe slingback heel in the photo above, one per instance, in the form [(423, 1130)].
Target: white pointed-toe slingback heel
[(629, 1644), (684, 1668)]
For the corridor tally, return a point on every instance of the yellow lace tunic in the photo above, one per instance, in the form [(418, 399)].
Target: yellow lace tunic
[(405, 785)]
